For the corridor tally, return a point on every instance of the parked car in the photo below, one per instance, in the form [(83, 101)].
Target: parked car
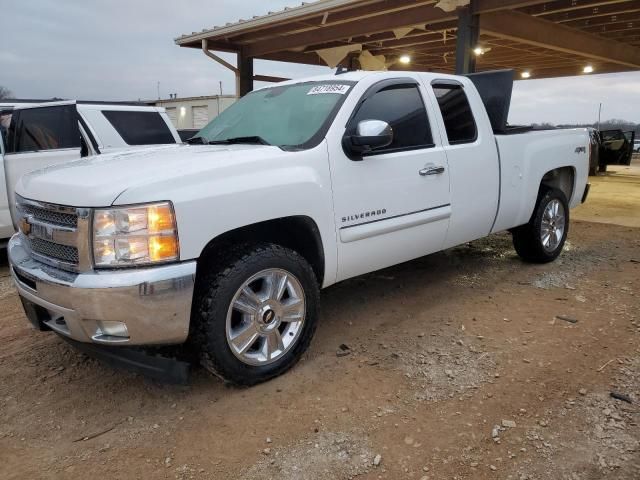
[(42, 135), (225, 243), (636, 146), (610, 147), (595, 146), (617, 148)]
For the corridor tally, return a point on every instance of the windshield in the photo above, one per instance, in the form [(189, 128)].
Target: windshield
[(293, 116)]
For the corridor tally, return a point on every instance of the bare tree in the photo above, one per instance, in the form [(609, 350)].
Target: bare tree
[(5, 93)]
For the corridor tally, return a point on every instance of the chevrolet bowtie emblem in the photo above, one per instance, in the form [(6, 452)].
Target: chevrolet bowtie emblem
[(25, 226)]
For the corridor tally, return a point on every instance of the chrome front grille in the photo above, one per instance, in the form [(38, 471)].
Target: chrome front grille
[(57, 235), (64, 253), (50, 216)]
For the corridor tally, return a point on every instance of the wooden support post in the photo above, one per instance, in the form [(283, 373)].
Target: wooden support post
[(245, 67), (468, 32)]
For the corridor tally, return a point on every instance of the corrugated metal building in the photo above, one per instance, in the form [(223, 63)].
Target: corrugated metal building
[(194, 112)]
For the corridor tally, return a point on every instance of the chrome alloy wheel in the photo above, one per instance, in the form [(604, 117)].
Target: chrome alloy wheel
[(265, 317), (553, 225)]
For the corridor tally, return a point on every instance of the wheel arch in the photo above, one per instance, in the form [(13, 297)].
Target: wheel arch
[(299, 233), (562, 178)]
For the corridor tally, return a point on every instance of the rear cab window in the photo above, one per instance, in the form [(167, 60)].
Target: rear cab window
[(459, 122), (140, 128)]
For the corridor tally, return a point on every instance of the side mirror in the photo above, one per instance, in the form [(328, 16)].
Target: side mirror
[(370, 135)]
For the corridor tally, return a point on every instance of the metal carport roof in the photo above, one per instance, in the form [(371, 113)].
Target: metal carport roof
[(542, 38)]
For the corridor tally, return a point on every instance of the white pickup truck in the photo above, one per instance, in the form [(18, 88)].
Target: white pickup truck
[(223, 244), (37, 135)]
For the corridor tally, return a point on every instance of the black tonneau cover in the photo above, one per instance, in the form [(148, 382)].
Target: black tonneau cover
[(495, 89)]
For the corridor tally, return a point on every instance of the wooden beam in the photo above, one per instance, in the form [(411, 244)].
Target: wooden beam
[(576, 71), (269, 78), (604, 21), (372, 21), (590, 12), (488, 6), (310, 58), (333, 18), (626, 37), (380, 23), (213, 45), (560, 6), (358, 12), (386, 40), (543, 33), (613, 27)]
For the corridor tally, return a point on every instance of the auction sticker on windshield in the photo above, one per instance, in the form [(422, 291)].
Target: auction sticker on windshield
[(329, 88)]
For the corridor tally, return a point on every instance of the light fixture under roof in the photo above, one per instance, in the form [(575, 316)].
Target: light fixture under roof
[(405, 59), (588, 69), (481, 50), (526, 74)]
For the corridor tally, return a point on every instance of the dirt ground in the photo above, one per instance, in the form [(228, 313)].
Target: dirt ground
[(467, 364)]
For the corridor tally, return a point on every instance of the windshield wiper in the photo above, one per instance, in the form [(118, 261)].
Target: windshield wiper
[(255, 139)]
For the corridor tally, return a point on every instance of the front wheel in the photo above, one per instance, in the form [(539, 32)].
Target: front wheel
[(256, 313), (542, 239)]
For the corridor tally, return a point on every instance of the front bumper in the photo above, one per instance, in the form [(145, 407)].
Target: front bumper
[(144, 306)]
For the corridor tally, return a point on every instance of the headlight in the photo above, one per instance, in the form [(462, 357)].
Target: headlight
[(137, 235)]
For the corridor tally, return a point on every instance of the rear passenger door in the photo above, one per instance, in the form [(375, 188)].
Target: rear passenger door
[(472, 155), (38, 137)]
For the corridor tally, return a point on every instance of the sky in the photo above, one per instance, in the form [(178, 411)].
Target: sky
[(120, 50)]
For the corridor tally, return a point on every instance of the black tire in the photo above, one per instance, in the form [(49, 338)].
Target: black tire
[(527, 238), (216, 289)]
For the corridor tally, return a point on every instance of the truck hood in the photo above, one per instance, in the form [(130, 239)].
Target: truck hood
[(98, 181)]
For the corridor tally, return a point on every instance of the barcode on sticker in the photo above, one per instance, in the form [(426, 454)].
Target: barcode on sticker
[(330, 88)]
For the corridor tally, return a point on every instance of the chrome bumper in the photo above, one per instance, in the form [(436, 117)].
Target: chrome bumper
[(145, 306)]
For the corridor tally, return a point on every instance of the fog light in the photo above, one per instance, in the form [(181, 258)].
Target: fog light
[(112, 329)]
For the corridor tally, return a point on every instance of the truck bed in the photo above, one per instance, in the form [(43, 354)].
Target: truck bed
[(529, 154)]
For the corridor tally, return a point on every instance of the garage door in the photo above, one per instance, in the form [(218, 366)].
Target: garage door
[(171, 113), (200, 116)]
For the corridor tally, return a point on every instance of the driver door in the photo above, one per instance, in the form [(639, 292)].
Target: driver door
[(392, 204)]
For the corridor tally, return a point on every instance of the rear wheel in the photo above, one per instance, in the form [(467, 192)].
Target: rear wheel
[(542, 239), (257, 313)]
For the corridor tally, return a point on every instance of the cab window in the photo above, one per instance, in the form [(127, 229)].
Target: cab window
[(44, 128), (456, 113), (401, 106), (140, 128)]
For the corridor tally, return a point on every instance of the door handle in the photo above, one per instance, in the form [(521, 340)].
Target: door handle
[(431, 170)]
